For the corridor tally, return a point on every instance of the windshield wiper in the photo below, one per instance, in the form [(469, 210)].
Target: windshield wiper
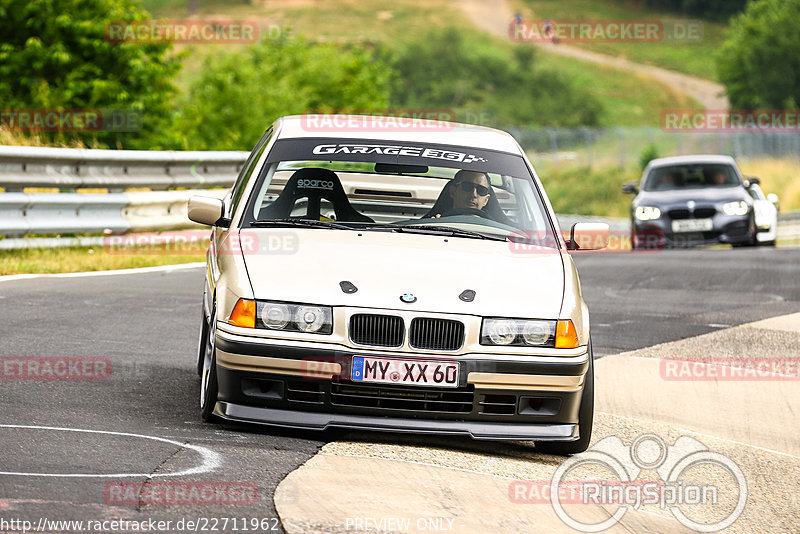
[(308, 223), (455, 231), (432, 230)]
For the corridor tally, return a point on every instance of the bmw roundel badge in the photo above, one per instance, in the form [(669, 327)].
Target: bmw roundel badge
[(408, 298)]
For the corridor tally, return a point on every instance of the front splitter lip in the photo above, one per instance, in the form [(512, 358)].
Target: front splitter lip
[(324, 421)]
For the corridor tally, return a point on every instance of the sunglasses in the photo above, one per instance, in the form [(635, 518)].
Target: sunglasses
[(468, 187)]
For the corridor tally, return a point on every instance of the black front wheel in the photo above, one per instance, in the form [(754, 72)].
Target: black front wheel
[(209, 388), (585, 420)]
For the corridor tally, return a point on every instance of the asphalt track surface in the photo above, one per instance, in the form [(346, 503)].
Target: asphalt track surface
[(146, 325)]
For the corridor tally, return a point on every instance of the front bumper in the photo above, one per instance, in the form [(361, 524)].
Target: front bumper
[(726, 229), (498, 397)]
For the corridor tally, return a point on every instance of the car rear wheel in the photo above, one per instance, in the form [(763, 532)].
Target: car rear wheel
[(585, 420), (208, 375)]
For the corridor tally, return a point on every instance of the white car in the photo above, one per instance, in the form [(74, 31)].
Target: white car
[(766, 213), (408, 279)]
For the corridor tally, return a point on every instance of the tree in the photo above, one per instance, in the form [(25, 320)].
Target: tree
[(454, 70), (237, 95), (707, 9), (759, 63), (54, 55)]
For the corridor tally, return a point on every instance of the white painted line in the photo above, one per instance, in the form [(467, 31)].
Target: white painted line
[(137, 270), (690, 431), (211, 459)]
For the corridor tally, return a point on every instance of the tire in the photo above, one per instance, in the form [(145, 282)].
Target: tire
[(209, 388), (201, 343), (585, 420)]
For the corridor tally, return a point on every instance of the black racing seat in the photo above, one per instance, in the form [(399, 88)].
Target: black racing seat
[(444, 204), (314, 184)]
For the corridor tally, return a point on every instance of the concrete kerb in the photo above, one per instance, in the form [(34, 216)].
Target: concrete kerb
[(330, 493)]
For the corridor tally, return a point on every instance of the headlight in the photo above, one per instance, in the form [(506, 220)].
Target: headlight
[(739, 207), (647, 213), (294, 317), (309, 318), (518, 332), (275, 315)]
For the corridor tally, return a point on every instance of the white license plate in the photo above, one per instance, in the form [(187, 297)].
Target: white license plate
[(692, 225), (406, 372)]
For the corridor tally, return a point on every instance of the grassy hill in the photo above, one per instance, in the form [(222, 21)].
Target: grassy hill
[(627, 99), (695, 58)]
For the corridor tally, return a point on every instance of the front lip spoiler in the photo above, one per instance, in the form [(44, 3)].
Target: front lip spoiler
[(324, 421)]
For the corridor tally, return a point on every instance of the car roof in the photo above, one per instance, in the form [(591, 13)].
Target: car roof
[(692, 159), (410, 130)]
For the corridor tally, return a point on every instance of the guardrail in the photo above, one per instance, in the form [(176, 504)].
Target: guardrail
[(115, 170), (67, 169)]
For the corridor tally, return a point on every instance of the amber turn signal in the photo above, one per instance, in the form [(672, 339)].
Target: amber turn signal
[(566, 336), (244, 314)]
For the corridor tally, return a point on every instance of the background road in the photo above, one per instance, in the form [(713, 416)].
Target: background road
[(147, 324)]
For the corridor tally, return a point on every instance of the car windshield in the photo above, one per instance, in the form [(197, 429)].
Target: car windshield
[(403, 187), (694, 176)]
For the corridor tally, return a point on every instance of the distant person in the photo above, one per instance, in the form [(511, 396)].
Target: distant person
[(549, 31), (667, 180), (717, 178)]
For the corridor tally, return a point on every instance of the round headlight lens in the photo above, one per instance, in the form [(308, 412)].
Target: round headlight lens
[(275, 316), (647, 213), (535, 332), (309, 318), (501, 332), (735, 208)]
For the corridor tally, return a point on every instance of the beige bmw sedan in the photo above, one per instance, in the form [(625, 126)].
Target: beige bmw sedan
[(396, 275)]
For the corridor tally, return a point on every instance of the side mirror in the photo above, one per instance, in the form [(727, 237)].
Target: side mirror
[(630, 188), (772, 197), (589, 236), (753, 180), (207, 210)]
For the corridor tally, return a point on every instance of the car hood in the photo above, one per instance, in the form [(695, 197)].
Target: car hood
[(385, 265), (704, 195)]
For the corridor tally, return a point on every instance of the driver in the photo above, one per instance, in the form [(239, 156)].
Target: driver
[(469, 189)]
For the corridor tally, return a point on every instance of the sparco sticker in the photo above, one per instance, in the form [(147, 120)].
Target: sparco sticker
[(397, 150)]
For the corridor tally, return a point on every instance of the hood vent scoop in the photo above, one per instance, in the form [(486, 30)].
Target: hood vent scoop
[(467, 295), (348, 287)]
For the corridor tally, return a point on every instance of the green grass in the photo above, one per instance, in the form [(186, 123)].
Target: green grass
[(696, 59), (80, 259), (595, 190), (627, 99), (587, 191)]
